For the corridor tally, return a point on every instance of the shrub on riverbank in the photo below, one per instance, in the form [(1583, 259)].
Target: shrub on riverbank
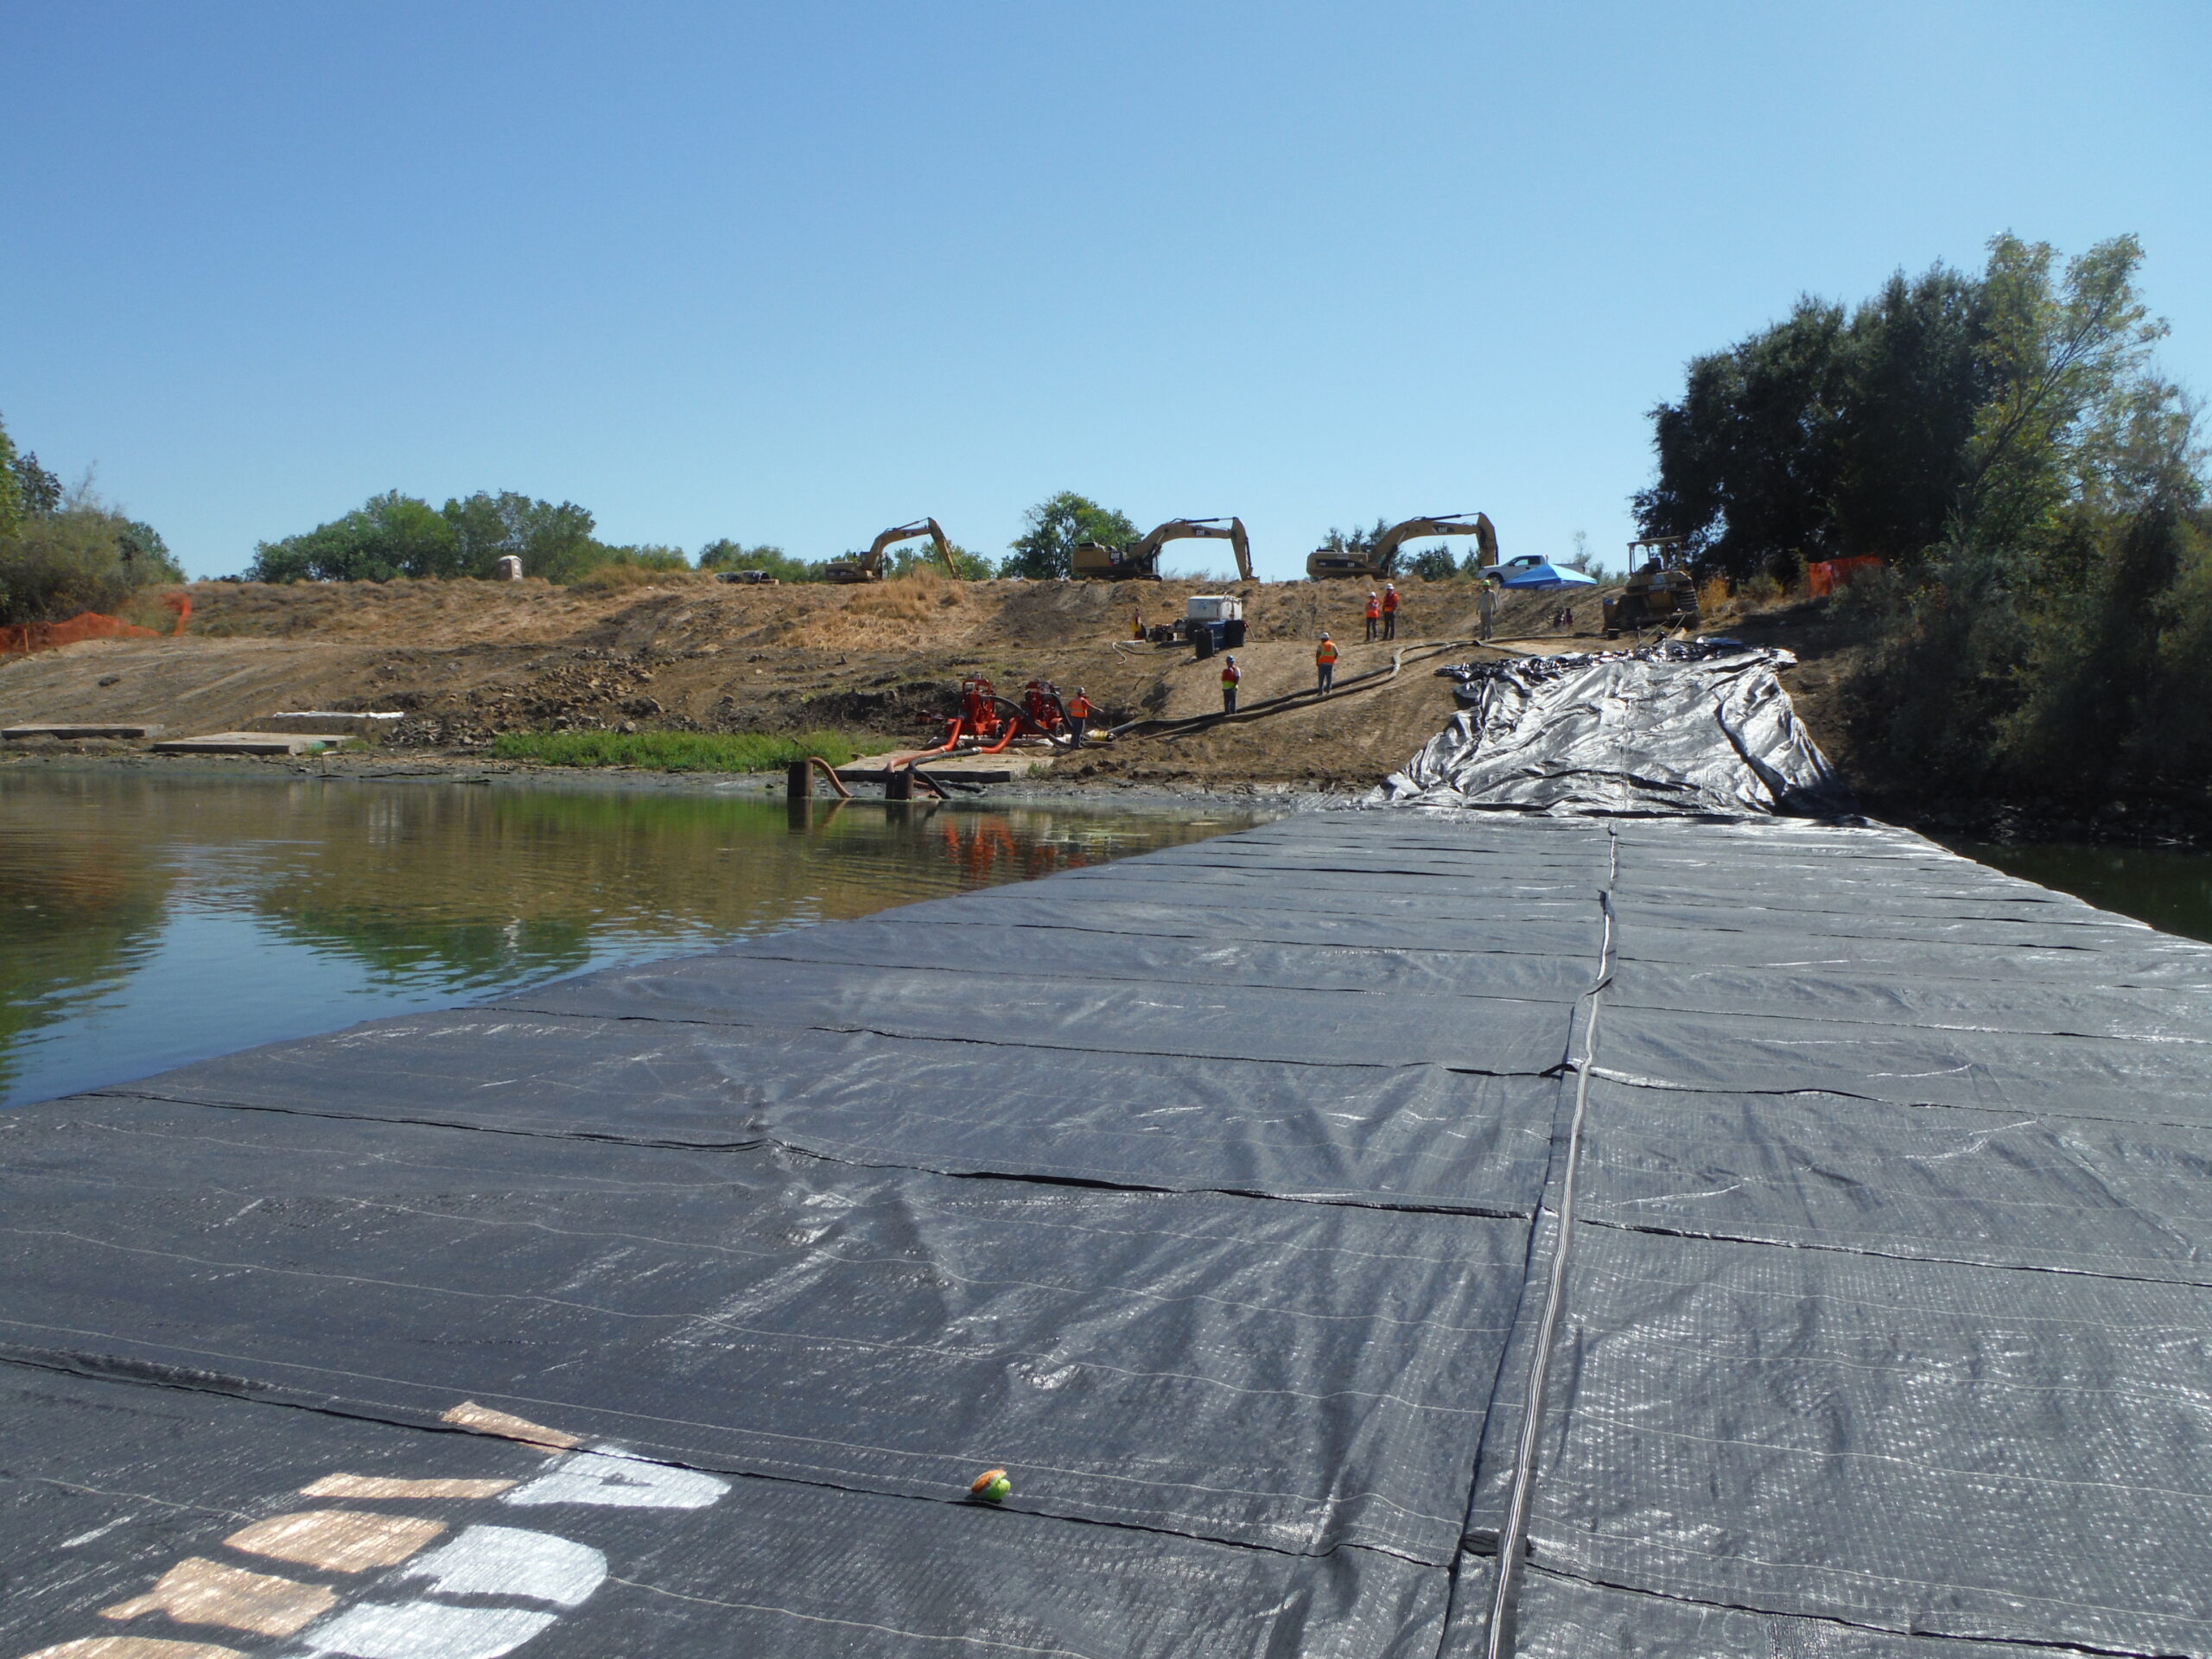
[(66, 552), (2037, 490), (682, 751)]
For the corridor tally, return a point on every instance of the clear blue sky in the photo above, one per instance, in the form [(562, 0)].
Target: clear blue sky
[(793, 273)]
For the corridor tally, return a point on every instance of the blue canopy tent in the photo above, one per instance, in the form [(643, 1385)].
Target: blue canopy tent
[(1529, 571)]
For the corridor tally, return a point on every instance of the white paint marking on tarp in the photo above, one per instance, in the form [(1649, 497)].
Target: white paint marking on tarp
[(509, 1561), (425, 1630), (611, 1480), (97, 1532), (483, 1561)]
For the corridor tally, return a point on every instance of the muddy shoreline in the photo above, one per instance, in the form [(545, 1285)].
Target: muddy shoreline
[(2115, 823), (415, 766)]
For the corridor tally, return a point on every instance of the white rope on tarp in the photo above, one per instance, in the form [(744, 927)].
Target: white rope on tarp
[(1499, 1643)]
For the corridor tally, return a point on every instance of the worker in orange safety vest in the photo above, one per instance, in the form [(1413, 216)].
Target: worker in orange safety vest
[(1374, 614), (1078, 707), (1325, 663), (1229, 678), (1390, 610)]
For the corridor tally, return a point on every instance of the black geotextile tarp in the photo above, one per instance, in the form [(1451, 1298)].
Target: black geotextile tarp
[(1702, 726), (1214, 1195)]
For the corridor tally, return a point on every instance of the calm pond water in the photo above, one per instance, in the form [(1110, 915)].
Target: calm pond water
[(2171, 890), (147, 922)]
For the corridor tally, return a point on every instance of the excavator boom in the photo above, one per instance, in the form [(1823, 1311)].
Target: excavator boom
[(1142, 561), (1379, 561), (869, 566)]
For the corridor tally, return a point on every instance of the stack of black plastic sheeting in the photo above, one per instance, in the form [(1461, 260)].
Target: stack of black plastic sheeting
[(1217, 1196)]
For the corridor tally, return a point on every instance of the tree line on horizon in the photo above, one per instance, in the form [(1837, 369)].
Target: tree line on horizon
[(393, 536), (2004, 441)]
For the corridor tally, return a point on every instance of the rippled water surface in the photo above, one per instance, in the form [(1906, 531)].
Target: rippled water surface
[(146, 922)]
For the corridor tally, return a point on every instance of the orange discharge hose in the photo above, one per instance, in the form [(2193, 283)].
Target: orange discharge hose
[(951, 739)]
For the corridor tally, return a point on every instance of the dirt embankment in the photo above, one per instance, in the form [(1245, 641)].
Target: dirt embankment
[(463, 660)]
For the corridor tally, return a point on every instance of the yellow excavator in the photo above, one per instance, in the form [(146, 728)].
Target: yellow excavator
[(1378, 561), (869, 566), (1141, 563)]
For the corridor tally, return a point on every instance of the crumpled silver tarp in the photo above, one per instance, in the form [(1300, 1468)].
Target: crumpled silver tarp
[(1701, 727)]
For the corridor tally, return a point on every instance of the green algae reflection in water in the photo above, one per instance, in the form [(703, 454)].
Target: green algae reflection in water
[(148, 921), (2170, 887)]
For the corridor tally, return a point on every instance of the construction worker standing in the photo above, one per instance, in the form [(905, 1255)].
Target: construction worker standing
[(1390, 610), (1374, 614), (1229, 678), (1078, 707), (1324, 663)]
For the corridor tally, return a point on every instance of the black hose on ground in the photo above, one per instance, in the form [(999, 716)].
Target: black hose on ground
[(942, 785)]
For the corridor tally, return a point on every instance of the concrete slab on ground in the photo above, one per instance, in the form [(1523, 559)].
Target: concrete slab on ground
[(967, 768), (66, 732), (321, 721), (253, 743)]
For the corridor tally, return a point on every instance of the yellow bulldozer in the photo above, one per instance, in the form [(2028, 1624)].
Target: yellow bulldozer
[(868, 567), (1096, 561), (1378, 559), (1662, 593)]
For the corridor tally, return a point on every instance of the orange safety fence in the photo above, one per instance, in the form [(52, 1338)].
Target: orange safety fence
[(1829, 574), (91, 625)]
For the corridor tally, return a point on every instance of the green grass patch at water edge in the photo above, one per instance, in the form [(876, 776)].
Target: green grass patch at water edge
[(682, 751)]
